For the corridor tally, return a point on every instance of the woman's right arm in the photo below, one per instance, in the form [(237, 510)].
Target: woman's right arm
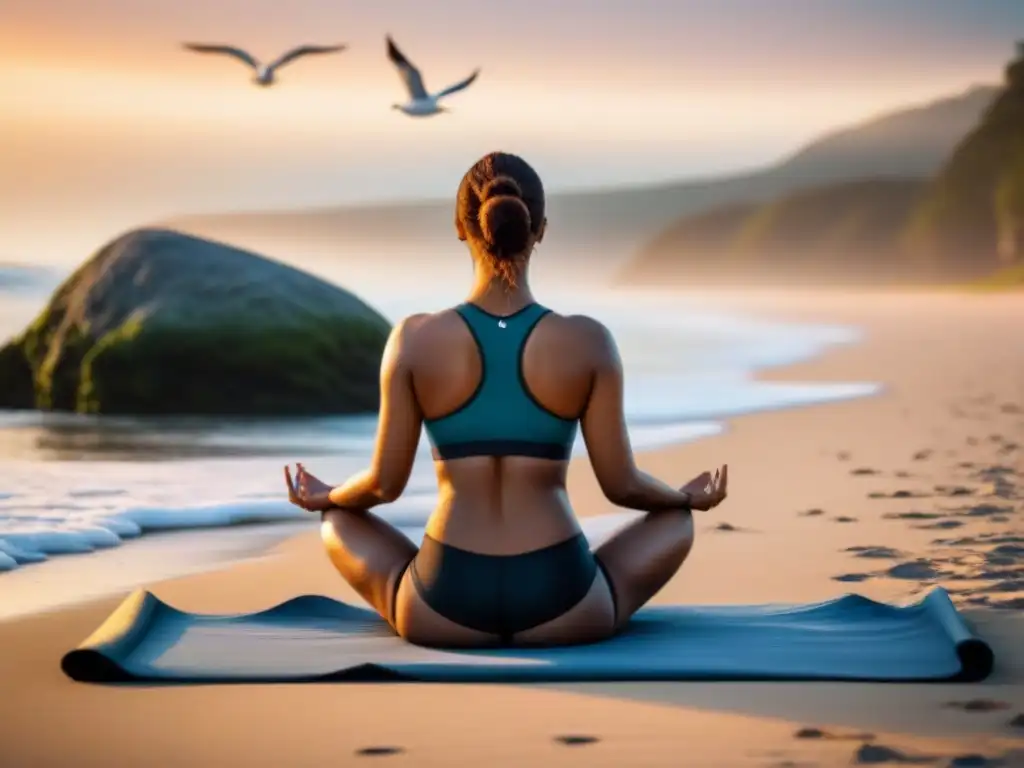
[(604, 432)]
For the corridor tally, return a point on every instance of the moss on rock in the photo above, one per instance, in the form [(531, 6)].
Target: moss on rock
[(16, 386), (163, 323)]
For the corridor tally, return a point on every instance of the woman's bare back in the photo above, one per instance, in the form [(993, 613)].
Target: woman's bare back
[(501, 504)]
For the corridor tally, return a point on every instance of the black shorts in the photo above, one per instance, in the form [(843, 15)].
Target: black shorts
[(504, 594)]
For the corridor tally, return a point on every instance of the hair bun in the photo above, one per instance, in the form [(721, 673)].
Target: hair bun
[(500, 187)]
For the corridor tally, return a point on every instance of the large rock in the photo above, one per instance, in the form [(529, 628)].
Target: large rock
[(158, 322)]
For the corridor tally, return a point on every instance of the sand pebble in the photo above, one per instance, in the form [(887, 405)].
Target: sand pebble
[(576, 740), (378, 751), (728, 527), (864, 471), (812, 513), (844, 519), (923, 455)]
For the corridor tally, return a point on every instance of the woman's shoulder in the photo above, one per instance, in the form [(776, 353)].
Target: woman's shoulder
[(583, 337), (426, 331), (583, 328)]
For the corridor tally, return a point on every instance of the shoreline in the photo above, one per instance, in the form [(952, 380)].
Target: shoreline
[(248, 541), (784, 464)]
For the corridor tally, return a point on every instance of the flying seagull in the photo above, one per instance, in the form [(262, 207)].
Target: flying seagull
[(265, 73), (421, 103)]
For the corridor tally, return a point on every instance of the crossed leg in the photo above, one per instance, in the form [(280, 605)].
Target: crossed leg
[(373, 557), (636, 563)]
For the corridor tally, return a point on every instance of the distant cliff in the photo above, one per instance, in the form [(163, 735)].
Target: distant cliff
[(823, 234), (607, 226), (962, 224), (977, 199)]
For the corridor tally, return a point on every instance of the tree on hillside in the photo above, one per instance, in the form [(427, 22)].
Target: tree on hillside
[(1009, 210)]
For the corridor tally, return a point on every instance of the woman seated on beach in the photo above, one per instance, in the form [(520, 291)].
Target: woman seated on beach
[(500, 383)]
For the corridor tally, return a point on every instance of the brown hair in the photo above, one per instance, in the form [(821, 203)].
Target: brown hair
[(500, 208)]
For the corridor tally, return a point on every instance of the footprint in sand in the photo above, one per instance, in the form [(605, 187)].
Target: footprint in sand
[(576, 740), (852, 577), (863, 471), (911, 515), (918, 570), (843, 455), (878, 754), (1010, 408), (378, 751), (923, 455), (964, 541), (881, 553), (901, 494), (1008, 585), (954, 490), (977, 705), (942, 525), (980, 761), (1013, 604), (985, 510)]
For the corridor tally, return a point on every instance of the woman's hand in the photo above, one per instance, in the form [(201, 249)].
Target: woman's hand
[(707, 492), (307, 491)]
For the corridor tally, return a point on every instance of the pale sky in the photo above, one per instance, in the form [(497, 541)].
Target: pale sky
[(107, 123)]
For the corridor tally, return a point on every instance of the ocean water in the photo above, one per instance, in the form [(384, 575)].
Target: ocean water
[(97, 486)]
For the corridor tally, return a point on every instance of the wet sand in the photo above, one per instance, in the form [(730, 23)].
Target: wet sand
[(885, 496)]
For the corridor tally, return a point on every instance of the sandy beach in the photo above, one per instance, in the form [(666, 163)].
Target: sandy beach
[(883, 496)]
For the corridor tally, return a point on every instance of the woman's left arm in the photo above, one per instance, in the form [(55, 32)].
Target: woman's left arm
[(399, 426)]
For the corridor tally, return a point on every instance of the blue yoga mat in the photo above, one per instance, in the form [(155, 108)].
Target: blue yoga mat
[(313, 638)]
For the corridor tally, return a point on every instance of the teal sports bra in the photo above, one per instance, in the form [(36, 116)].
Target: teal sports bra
[(501, 418)]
